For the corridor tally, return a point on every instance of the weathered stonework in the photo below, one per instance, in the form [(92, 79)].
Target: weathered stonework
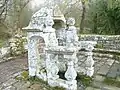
[(44, 50), (111, 42)]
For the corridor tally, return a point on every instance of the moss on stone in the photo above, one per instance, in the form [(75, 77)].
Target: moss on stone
[(86, 80), (23, 76), (99, 46), (34, 80), (105, 51)]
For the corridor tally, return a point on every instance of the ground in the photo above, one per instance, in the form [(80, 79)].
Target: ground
[(9, 68), (12, 68)]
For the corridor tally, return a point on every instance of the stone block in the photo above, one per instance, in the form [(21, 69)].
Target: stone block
[(91, 88)]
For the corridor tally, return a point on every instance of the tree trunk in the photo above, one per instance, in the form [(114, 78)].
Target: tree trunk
[(83, 16), (95, 26)]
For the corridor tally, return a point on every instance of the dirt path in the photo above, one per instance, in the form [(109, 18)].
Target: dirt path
[(7, 69)]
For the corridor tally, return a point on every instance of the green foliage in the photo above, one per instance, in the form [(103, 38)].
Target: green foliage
[(104, 17), (34, 80), (18, 48), (24, 76), (4, 34), (17, 16), (86, 80)]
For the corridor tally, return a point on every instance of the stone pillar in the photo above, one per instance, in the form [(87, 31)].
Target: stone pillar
[(51, 68), (70, 75), (89, 62), (32, 55), (71, 32)]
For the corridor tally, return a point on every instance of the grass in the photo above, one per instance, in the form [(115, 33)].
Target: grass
[(1, 43), (34, 80), (86, 80), (112, 81)]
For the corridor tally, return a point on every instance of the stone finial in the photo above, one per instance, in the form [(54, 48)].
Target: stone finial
[(49, 21), (48, 25), (70, 22)]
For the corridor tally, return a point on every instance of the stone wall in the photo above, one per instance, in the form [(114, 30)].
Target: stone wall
[(103, 41)]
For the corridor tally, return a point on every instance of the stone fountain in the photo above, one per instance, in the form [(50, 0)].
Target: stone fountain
[(45, 47)]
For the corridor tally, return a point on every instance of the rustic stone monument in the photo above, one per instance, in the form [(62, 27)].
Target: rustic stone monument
[(44, 50)]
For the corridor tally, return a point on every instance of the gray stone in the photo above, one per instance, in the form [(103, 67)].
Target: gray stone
[(35, 87), (9, 82), (21, 85), (104, 41), (110, 88), (112, 74), (99, 78), (40, 27), (8, 69), (105, 88), (9, 88), (91, 88), (104, 70), (97, 84), (1, 87), (27, 84), (114, 71)]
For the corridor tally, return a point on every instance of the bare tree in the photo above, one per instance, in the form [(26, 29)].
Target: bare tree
[(3, 9), (10, 14)]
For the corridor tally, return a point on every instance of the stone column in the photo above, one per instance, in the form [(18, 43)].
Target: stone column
[(32, 55), (71, 74), (51, 67), (71, 33), (89, 62)]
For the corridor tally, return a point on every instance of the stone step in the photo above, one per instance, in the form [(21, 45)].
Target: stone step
[(117, 52), (102, 86)]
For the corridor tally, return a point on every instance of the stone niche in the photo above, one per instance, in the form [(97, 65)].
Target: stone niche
[(59, 19)]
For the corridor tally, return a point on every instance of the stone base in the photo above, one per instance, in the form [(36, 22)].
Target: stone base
[(68, 85)]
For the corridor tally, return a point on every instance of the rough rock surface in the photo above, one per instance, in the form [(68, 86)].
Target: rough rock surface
[(103, 41)]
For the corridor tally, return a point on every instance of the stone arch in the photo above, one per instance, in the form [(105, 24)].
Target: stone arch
[(35, 56), (39, 45)]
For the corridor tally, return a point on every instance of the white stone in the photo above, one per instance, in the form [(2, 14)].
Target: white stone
[(70, 74), (45, 64), (4, 51), (90, 71)]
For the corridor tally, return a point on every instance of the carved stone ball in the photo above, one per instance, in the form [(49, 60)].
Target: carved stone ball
[(70, 21)]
